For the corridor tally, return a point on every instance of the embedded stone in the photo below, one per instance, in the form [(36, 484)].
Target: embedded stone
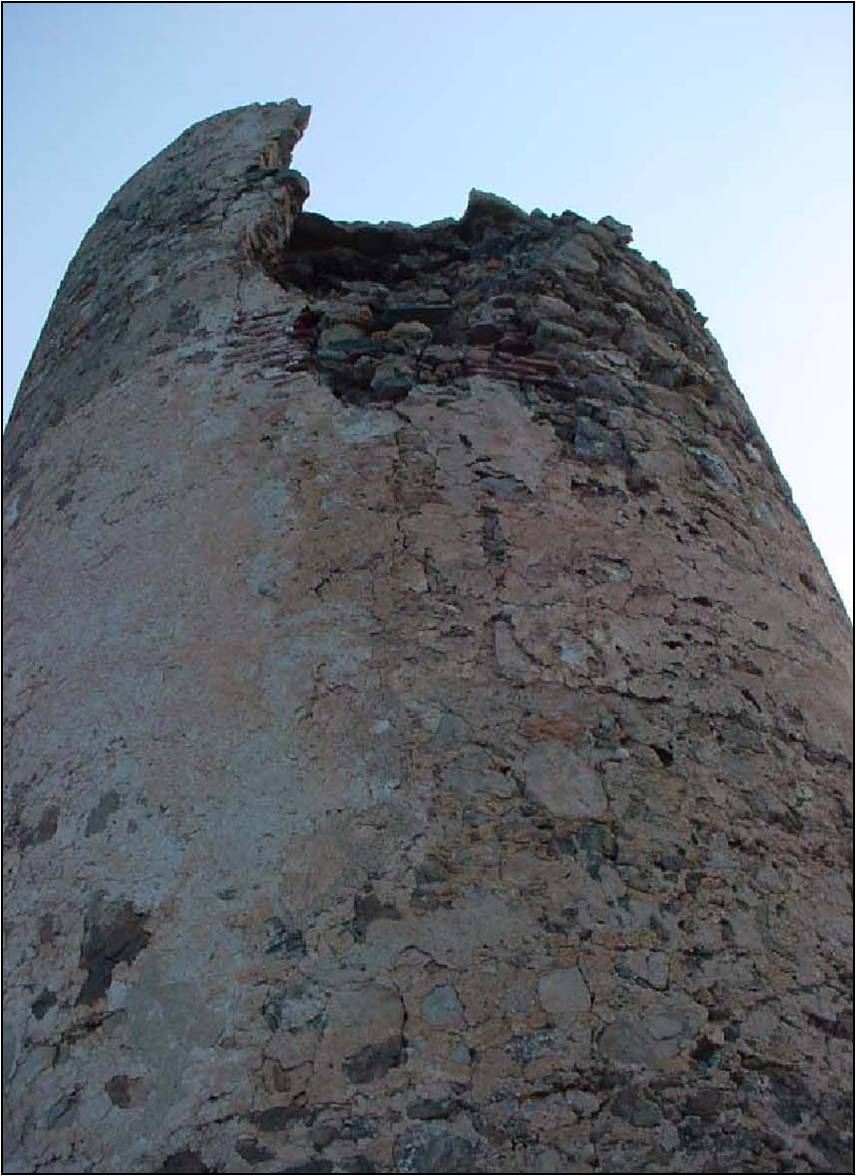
[(485, 206), (715, 467), (484, 332), (442, 1007), (553, 310), (576, 255), (564, 994), (558, 779), (421, 1150), (341, 336), (391, 382), (411, 332), (622, 233), (631, 1105)]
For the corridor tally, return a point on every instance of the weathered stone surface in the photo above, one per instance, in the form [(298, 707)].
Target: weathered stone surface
[(562, 782), (428, 734), (564, 994)]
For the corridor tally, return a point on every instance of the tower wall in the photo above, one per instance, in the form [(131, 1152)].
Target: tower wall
[(427, 715)]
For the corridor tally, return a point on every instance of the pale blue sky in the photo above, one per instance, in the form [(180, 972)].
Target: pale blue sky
[(721, 132)]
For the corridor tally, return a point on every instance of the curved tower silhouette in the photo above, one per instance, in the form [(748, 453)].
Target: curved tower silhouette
[(427, 715)]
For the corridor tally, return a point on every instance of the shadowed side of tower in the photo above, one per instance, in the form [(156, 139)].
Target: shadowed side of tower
[(427, 716)]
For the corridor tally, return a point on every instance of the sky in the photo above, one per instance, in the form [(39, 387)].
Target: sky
[(721, 132)]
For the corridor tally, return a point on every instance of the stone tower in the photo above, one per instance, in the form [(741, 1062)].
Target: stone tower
[(428, 719)]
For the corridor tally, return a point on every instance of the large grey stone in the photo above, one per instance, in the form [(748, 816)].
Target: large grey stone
[(561, 781)]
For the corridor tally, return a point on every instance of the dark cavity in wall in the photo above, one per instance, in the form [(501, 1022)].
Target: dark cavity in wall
[(183, 1161), (112, 935)]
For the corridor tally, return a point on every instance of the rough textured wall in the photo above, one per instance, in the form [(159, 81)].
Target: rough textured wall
[(428, 719)]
